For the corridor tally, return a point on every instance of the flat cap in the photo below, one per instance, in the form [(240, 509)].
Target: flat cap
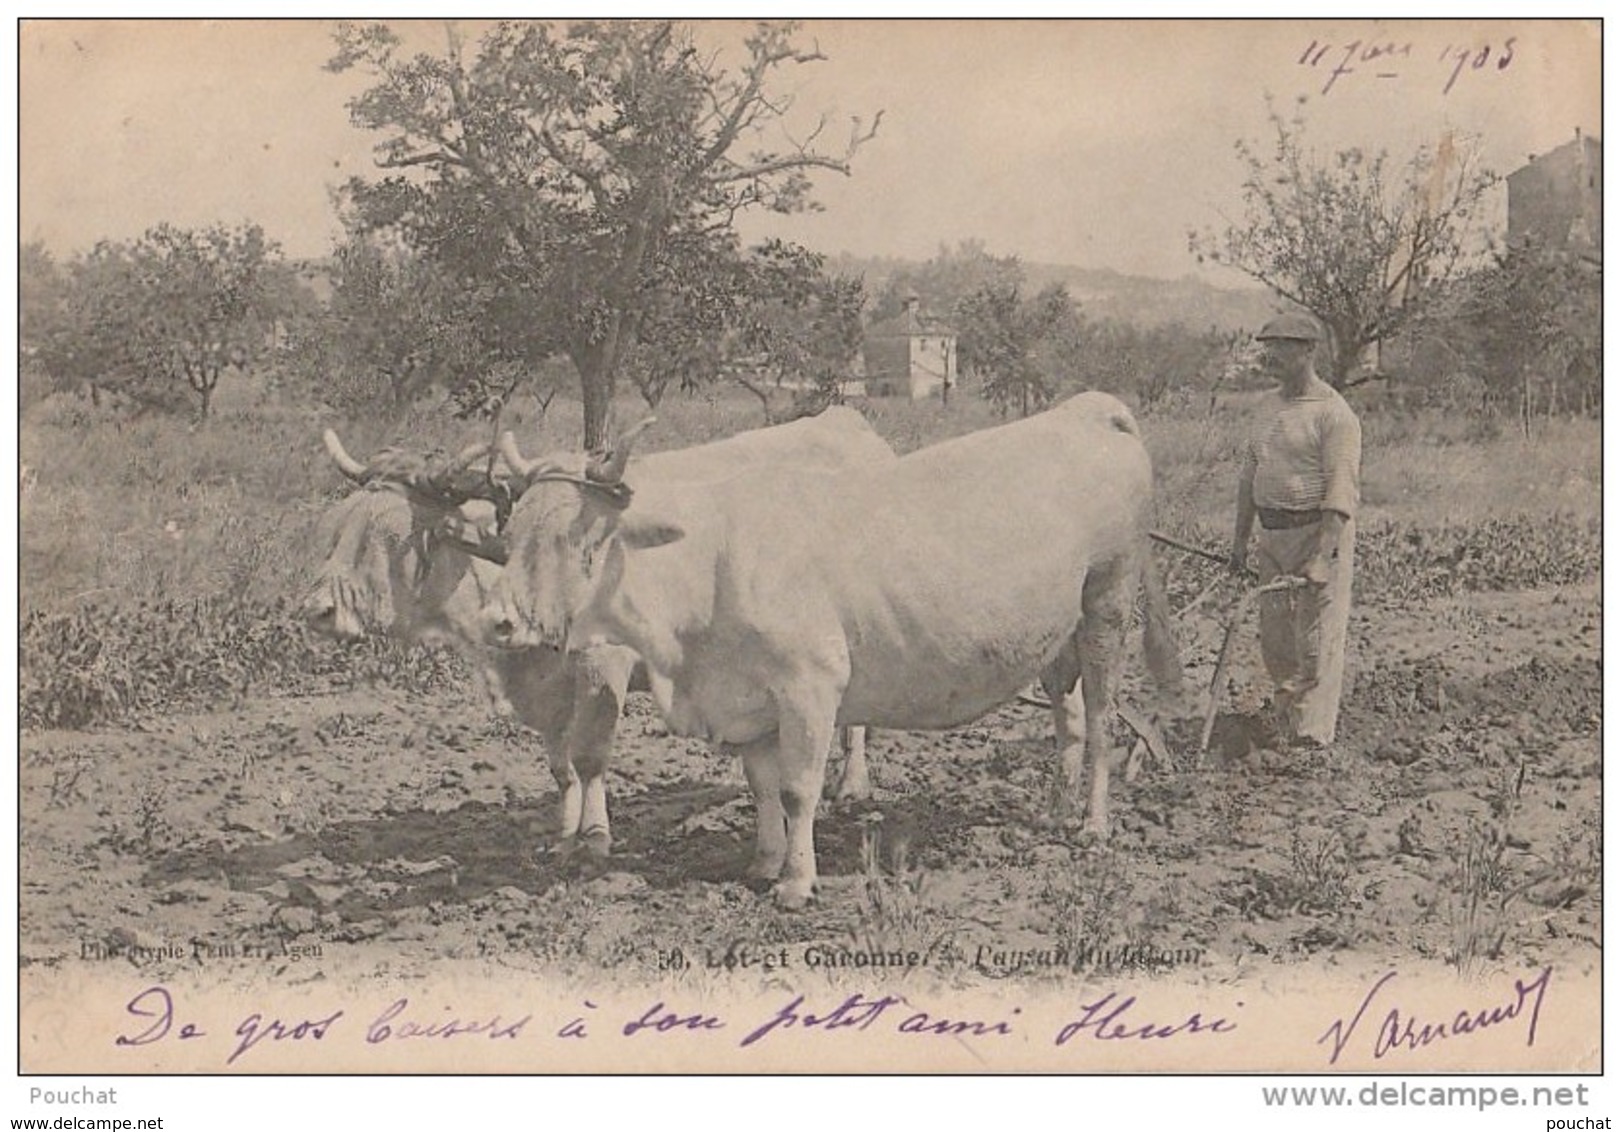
[(1300, 327)]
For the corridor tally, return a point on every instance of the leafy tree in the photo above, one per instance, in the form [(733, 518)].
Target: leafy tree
[(798, 325), (207, 302), (41, 294), (1000, 334), (1148, 363), (160, 319), (1352, 240), (579, 169), (947, 279), (770, 319), (1528, 327), (81, 338)]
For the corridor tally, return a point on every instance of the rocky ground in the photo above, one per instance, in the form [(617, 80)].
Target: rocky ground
[(1457, 823)]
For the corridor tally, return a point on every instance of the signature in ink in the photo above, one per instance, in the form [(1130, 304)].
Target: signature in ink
[(1400, 1031)]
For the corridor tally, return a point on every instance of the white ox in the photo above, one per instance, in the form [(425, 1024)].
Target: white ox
[(395, 562), (776, 606)]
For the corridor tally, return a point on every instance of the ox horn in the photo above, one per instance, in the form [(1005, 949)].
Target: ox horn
[(508, 448), (611, 468), (347, 464)]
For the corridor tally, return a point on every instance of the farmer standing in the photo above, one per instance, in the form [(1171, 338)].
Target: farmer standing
[(1300, 477)]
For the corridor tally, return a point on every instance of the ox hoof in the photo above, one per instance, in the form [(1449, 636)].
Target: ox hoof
[(588, 852), (1063, 813), (561, 850), (794, 895), (764, 869), (856, 788), (596, 844)]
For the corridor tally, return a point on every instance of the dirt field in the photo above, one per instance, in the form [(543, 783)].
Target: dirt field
[(1456, 823)]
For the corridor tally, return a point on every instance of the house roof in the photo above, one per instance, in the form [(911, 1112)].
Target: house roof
[(1587, 141), (910, 323)]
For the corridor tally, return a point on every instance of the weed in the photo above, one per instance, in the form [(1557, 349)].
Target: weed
[(895, 911), (65, 776), (148, 831), (1317, 883), (1320, 869), (1478, 893), (1089, 903)]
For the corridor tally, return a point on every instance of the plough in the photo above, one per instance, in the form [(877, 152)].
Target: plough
[(1152, 738)]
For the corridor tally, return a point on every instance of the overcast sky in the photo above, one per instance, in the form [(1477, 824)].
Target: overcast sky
[(1090, 143)]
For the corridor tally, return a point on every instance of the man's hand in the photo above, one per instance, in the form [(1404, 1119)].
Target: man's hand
[(1238, 563), (1316, 570)]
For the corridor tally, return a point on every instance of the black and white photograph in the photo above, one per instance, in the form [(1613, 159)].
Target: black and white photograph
[(855, 546)]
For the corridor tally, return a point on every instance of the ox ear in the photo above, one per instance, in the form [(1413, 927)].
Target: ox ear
[(643, 532)]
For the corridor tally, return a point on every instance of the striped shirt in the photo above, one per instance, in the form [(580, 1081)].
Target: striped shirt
[(1306, 455)]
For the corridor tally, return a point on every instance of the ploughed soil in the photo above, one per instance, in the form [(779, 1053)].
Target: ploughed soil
[(1457, 821)]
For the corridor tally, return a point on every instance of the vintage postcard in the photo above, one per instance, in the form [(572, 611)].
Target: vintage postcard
[(1109, 581)]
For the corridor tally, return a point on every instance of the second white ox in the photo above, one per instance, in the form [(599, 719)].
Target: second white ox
[(397, 563), (775, 606)]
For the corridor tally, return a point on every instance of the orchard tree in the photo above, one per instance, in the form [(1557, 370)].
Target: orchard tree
[(41, 296), (798, 325), (579, 168), (40, 292), (1001, 336), (947, 279), (1353, 239), (208, 301), (160, 319), (769, 319), (1150, 363), (1529, 327)]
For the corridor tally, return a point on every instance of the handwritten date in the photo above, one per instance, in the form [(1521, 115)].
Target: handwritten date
[(1390, 59)]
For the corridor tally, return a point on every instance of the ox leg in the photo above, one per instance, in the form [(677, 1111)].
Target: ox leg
[(600, 683), (770, 826), (1108, 600), (591, 736), (570, 793), (1058, 681), (854, 781), (804, 735)]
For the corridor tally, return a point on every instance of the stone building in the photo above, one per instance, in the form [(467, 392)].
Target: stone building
[(912, 355), (1556, 200)]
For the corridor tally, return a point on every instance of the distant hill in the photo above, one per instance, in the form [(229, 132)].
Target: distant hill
[(1147, 302), (1104, 294)]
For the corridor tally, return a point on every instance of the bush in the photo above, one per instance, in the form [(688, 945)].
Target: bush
[(101, 664), (1397, 562)]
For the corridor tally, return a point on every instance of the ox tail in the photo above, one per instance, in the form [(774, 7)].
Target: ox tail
[(1159, 640), (1121, 420), (1097, 407)]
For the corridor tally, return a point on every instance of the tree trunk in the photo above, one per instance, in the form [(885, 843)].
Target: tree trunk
[(1525, 402), (595, 363), (597, 395)]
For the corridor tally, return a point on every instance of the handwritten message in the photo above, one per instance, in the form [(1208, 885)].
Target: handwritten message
[(1385, 59), (1379, 1024)]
